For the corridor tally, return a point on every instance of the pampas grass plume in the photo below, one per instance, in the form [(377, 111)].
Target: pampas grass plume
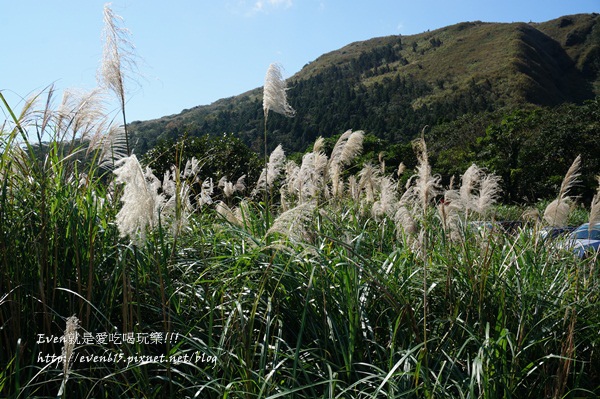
[(557, 212), (274, 94), (69, 341), (140, 199), (293, 222), (117, 59), (489, 190), (272, 171), (595, 208)]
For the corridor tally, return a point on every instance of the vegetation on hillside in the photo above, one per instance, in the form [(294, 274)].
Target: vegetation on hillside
[(393, 86)]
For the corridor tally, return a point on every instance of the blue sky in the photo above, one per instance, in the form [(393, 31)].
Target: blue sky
[(196, 52)]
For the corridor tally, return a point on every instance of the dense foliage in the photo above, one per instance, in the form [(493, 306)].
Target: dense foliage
[(531, 149)]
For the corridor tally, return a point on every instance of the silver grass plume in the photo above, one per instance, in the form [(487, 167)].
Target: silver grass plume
[(141, 201), (292, 185), (274, 99), (293, 223), (242, 211), (352, 148), (69, 340), (448, 212), (272, 171), (206, 191), (401, 169), (469, 181), (176, 206), (353, 188), (404, 221), (368, 177), (557, 212), (531, 215), (311, 175), (229, 188), (595, 209), (348, 146), (274, 93), (118, 59), (451, 221), (240, 183), (112, 146), (226, 212), (426, 186), (81, 114), (399, 172), (388, 199), (284, 205), (489, 190), (382, 162), (319, 144), (191, 169)]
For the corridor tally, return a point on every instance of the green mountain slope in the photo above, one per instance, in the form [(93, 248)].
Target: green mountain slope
[(393, 86)]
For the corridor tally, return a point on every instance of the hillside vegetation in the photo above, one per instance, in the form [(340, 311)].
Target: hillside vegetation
[(393, 86), (482, 90)]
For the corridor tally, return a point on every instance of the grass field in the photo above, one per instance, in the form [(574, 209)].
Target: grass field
[(365, 290)]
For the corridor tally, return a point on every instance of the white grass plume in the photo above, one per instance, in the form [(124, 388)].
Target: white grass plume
[(311, 175), (404, 221), (401, 169), (274, 93), (292, 185), (382, 162), (469, 181), (426, 186), (354, 188), (348, 146), (570, 179), (206, 192), (229, 188), (594, 217), (557, 212), (319, 144), (293, 223), (272, 171), (489, 191), (368, 181), (81, 114), (118, 59), (141, 201), (388, 199), (352, 148), (69, 341), (449, 216), (226, 212), (176, 207)]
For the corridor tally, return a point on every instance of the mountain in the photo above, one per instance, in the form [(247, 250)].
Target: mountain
[(393, 86)]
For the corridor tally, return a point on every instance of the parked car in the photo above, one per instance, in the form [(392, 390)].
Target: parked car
[(498, 226), (584, 240), (552, 232)]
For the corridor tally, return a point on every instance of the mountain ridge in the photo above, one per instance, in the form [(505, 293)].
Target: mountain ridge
[(391, 86)]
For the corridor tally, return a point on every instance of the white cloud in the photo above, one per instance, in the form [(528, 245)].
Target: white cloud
[(263, 5)]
